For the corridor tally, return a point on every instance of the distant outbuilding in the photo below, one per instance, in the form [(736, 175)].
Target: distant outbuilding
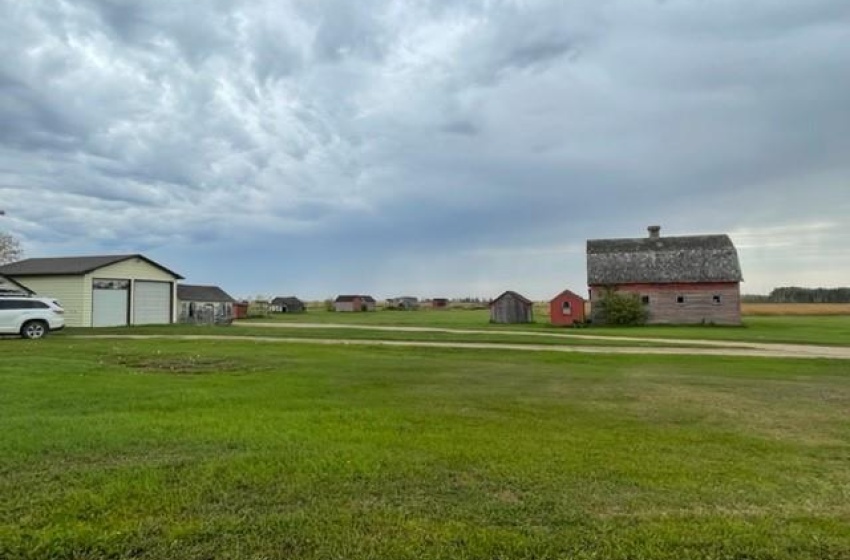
[(403, 303), (354, 303), (204, 304), (289, 304), (511, 307), (439, 303), (240, 310), (566, 309)]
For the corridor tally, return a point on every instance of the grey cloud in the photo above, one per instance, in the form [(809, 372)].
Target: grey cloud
[(405, 126)]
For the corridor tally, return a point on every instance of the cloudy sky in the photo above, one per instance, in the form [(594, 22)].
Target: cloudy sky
[(430, 147)]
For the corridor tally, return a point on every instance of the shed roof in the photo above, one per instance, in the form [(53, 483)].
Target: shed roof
[(349, 298), (287, 300), (514, 295), (691, 258), (190, 292), (71, 266), (567, 293)]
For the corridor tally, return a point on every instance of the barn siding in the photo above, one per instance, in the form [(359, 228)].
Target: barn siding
[(347, 306), (698, 306), (68, 290), (557, 315), (509, 309)]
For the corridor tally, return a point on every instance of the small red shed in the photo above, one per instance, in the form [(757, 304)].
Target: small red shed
[(566, 309), (240, 310)]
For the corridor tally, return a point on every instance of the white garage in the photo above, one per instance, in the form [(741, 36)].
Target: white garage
[(152, 302), (102, 291)]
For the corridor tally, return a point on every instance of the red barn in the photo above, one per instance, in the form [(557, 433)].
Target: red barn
[(680, 280), (566, 309)]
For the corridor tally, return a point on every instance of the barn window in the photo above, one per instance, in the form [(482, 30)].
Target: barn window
[(680, 299), (715, 299), (566, 309), (644, 300)]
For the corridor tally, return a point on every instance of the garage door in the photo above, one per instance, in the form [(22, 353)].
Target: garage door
[(151, 302), (110, 303)]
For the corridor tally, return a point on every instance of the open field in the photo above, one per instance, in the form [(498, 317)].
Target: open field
[(191, 449), (795, 308)]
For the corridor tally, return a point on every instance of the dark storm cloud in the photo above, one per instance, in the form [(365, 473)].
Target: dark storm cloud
[(491, 136)]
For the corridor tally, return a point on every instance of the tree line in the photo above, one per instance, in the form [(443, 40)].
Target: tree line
[(794, 294)]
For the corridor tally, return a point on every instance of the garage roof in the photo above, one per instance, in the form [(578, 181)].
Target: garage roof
[(191, 292), (63, 266)]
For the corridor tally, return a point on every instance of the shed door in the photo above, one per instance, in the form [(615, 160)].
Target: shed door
[(151, 302), (110, 303)]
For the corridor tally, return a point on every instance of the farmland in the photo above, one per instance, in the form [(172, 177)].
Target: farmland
[(236, 449), (786, 309)]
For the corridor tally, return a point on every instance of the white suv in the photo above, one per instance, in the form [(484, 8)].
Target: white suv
[(31, 317)]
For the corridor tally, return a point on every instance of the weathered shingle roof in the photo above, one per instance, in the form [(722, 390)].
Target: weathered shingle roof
[(190, 292), (288, 301), (515, 295), (61, 266), (692, 258), (349, 298)]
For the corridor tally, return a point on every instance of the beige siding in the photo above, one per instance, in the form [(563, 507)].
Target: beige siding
[(132, 269), (135, 268), (70, 291)]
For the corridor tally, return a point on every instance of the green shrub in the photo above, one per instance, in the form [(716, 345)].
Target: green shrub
[(621, 309)]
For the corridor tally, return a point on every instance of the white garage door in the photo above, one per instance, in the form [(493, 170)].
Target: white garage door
[(151, 303), (110, 303)]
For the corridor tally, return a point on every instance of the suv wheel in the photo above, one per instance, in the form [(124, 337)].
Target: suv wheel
[(34, 329)]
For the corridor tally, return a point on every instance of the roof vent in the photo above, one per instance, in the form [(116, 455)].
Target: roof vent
[(654, 232)]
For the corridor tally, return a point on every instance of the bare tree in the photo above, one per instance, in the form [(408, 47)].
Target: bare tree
[(10, 248)]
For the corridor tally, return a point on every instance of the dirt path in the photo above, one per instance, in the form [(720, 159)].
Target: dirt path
[(796, 349), (760, 350)]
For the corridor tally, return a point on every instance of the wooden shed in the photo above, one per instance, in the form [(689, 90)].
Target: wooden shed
[(403, 303), (240, 310), (680, 280), (289, 304), (354, 303), (566, 308), (511, 307), (440, 303)]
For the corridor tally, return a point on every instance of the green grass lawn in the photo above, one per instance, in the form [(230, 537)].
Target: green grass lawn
[(343, 333), (186, 449), (827, 330)]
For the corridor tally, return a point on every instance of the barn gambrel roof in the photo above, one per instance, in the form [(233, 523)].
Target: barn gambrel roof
[(652, 260)]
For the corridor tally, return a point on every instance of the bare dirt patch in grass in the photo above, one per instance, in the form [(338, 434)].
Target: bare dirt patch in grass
[(184, 364)]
